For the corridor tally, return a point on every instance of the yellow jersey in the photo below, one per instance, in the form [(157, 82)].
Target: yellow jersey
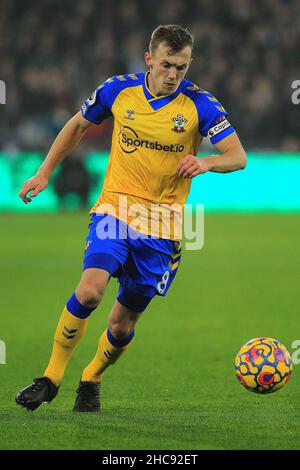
[(151, 135)]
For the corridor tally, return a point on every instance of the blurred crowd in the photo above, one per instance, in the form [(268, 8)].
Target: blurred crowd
[(53, 54)]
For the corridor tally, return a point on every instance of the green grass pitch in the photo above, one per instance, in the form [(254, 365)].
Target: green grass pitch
[(175, 388)]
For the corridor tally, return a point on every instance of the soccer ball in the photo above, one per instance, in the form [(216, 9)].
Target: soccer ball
[(263, 365)]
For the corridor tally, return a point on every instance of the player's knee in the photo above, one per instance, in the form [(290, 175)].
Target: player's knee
[(119, 332), (120, 329), (89, 295)]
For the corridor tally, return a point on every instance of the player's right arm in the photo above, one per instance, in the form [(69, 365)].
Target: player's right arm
[(68, 138), (94, 110)]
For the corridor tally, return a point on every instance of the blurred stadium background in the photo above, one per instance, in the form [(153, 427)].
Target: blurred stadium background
[(53, 54)]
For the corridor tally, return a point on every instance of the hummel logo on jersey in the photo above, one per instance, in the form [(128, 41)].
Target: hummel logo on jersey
[(129, 112)]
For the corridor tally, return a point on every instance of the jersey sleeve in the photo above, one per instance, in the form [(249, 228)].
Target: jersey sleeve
[(98, 106), (213, 120)]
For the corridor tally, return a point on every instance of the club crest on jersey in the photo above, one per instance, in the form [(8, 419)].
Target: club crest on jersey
[(179, 123), (129, 112)]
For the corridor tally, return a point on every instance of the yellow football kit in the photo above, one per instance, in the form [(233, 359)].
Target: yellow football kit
[(142, 188), (150, 136)]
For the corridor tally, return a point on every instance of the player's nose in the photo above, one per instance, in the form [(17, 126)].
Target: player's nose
[(172, 75)]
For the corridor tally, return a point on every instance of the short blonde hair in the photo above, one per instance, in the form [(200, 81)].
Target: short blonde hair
[(173, 36)]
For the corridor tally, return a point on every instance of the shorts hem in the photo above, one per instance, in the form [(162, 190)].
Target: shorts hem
[(104, 261)]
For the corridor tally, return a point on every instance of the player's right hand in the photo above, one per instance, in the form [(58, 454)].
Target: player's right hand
[(36, 184)]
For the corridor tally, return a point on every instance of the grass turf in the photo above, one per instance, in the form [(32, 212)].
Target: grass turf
[(175, 388)]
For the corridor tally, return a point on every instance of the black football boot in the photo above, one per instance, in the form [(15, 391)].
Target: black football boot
[(88, 397), (41, 390)]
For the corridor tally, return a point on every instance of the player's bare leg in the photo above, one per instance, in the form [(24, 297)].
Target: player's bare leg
[(122, 320), (91, 287), (112, 344), (70, 329)]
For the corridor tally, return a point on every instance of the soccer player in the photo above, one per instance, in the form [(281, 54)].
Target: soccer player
[(160, 119)]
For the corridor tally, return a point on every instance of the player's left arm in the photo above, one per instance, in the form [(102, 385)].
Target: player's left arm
[(232, 157)]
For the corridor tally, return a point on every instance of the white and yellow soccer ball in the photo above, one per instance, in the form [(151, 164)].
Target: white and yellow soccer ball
[(263, 365)]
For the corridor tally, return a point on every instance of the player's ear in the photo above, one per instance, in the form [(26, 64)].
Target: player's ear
[(148, 59)]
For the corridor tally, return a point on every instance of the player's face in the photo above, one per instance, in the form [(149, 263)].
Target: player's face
[(167, 71)]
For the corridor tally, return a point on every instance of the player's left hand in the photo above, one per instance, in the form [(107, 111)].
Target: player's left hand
[(191, 166)]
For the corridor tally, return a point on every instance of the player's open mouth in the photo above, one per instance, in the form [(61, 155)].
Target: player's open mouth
[(170, 85)]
